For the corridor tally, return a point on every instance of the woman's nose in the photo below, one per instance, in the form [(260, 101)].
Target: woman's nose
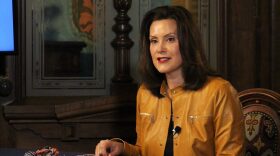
[(161, 47)]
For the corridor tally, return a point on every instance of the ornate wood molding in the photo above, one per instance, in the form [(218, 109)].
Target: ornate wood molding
[(122, 43)]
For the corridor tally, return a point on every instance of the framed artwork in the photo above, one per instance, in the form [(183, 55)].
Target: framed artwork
[(66, 49)]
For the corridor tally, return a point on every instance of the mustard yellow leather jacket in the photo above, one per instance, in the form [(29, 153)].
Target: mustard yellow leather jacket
[(211, 121)]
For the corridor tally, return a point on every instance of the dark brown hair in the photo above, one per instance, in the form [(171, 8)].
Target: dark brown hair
[(195, 68)]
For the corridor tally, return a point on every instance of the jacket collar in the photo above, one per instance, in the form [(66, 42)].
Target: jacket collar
[(172, 92)]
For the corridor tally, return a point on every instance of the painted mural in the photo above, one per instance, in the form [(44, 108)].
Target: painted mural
[(66, 20), (83, 18), (71, 20)]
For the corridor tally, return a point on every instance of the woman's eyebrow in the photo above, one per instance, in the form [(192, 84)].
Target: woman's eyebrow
[(166, 35), (152, 37), (170, 34)]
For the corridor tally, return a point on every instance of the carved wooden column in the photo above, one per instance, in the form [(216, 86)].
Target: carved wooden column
[(122, 44)]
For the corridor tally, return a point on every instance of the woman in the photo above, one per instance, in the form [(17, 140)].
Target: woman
[(183, 107)]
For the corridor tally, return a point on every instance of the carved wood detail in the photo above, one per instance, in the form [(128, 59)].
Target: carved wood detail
[(122, 43)]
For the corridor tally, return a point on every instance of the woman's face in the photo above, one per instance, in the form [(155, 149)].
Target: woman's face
[(164, 47)]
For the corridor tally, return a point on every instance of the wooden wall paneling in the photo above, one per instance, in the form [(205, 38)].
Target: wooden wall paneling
[(263, 48), (275, 44), (241, 44), (248, 43), (222, 23)]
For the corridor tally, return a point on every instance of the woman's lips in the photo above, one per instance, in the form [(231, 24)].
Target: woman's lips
[(163, 59)]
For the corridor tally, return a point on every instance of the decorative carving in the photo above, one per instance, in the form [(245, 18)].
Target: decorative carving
[(122, 43), (262, 123)]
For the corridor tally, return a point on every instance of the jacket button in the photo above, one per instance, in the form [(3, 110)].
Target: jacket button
[(160, 144)]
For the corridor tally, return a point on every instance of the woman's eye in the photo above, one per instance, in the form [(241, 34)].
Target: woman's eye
[(171, 39), (153, 41)]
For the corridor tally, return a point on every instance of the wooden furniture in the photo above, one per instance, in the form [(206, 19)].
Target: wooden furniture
[(70, 124), (261, 108)]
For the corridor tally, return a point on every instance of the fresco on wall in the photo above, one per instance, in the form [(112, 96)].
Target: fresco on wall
[(83, 19), (69, 38)]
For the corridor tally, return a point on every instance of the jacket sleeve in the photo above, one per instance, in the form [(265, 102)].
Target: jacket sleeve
[(229, 122)]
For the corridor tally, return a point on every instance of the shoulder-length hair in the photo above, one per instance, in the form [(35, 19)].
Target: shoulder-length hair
[(195, 68)]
